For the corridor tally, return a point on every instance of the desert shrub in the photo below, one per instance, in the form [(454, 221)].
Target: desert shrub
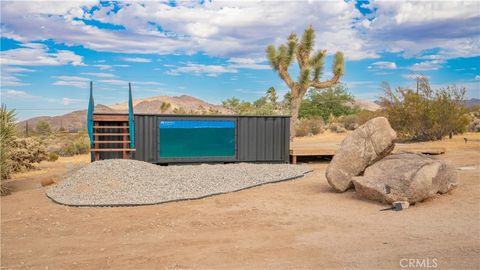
[(425, 114), (26, 152), (52, 156), (310, 126), (77, 146), (349, 122), (363, 116), (43, 128), (353, 121), (337, 127)]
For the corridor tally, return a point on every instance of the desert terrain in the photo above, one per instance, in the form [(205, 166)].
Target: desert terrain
[(299, 224)]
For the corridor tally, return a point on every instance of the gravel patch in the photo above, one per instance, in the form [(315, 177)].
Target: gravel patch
[(120, 182)]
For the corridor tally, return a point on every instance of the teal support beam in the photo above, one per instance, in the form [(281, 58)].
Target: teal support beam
[(131, 122), (91, 107)]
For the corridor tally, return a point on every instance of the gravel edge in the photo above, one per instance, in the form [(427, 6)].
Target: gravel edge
[(177, 200)]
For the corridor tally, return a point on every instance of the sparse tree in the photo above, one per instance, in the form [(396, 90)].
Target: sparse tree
[(310, 65), (272, 95), (43, 128), (423, 114)]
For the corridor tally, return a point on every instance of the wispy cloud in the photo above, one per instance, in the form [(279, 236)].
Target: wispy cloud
[(136, 59), (36, 54), (198, 69), (427, 65), (75, 81), (11, 93), (248, 63), (69, 101), (383, 65), (99, 74)]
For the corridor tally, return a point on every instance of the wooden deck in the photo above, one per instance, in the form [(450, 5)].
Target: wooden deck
[(328, 149)]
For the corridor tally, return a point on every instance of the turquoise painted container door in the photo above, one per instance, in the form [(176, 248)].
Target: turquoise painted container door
[(196, 138)]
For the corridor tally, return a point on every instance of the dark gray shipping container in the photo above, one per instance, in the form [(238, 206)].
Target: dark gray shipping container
[(257, 139)]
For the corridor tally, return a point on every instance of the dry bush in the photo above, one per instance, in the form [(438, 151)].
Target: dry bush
[(80, 144), (310, 126), (26, 152), (349, 122), (52, 157), (48, 181), (336, 127)]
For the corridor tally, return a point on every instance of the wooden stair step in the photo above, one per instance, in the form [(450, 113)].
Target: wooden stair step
[(110, 134), (111, 141), (110, 118), (125, 127), (113, 150)]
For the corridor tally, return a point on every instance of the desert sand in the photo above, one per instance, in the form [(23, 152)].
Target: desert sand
[(300, 224)]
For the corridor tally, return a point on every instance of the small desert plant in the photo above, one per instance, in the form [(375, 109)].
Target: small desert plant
[(336, 127), (52, 156), (349, 122), (310, 126)]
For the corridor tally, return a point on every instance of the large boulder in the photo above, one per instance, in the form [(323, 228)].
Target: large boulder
[(364, 146), (406, 177)]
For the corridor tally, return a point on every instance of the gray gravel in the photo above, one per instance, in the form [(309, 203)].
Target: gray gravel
[(130, 182)]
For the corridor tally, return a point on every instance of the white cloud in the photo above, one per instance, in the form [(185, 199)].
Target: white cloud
[(74, 81), (99, 74), (427, 65), (248, 63), (413, 76), (137, 59), (104, 67), (244, 29), (125, 83), (198, 69), (412, 27), (10, 80), (114, 82), (36, 54), (10, 93), (226, 29), (383, 65), (69, 101)]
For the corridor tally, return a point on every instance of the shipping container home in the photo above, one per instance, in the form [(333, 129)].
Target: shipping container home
[(165, 139), (194, 138)]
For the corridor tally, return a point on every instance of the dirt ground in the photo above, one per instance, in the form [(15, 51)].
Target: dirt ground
[(300, 224)]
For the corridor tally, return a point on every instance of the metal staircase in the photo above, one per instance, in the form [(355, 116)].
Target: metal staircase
[(112, 132)]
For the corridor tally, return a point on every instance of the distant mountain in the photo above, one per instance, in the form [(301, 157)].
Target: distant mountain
[(365, 105), (76, 120), (184, 102), (472, 102)]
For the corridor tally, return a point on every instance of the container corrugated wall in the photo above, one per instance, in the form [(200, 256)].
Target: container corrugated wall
[(258, 139)]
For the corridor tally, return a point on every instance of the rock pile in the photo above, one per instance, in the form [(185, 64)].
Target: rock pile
[(367, 144), (363, 161)]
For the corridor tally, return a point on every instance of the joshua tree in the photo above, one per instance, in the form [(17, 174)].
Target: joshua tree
[(310, 65)]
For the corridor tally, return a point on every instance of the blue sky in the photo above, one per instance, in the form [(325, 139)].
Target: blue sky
[(215, 50)]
